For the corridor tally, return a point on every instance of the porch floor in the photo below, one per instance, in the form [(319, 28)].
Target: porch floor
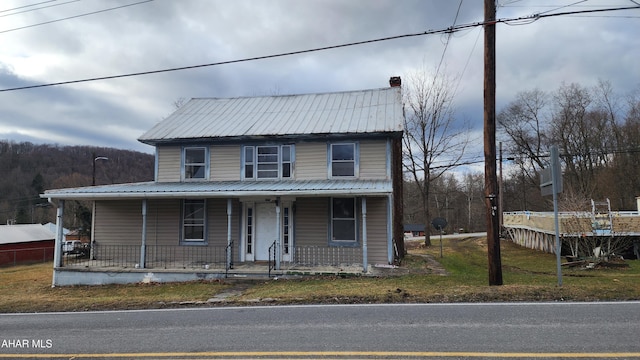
[(241, 270)]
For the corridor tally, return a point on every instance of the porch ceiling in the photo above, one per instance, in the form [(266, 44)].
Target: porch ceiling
[(224, 189)]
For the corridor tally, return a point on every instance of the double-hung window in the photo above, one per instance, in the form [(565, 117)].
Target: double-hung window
[(194, 221), (268, 162), (342, 160), (343, 221), (195, 163)]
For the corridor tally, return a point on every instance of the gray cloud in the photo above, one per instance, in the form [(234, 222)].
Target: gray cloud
[(166, 34)]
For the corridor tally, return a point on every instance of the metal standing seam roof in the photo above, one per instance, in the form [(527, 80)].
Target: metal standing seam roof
[(226, 189), (10, 234), (349, 112)]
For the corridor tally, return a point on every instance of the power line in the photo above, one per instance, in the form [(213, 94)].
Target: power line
[(40, 8), (75, 16), (26, 6), (451, 29)]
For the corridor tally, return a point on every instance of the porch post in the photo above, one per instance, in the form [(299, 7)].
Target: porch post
[(278, 234), (364, 235), (143, 246), (229, 211), (390, 229), (57, 252)]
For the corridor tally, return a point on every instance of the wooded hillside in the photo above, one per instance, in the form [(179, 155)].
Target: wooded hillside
[(27, 170)]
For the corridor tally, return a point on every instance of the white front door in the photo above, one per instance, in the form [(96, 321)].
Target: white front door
[(266, 229)]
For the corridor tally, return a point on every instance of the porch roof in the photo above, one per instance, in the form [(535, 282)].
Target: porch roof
[(225, 189)]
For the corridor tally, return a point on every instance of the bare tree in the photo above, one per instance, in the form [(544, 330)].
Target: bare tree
[(523, 121), (431, 134)]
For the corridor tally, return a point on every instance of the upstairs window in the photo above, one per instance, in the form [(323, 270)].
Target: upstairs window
[(342, 160), (268, 162), (195, 163)]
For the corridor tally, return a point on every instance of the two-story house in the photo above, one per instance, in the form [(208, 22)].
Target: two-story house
[(270, 183)]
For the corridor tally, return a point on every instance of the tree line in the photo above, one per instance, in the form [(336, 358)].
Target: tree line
[(29, 169), (597, 132), (596, 129)]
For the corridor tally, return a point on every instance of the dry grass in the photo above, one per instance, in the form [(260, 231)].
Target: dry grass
[(528, 276), (28, 289)]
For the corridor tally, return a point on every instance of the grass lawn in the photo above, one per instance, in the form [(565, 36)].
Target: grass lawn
[(528, 276)]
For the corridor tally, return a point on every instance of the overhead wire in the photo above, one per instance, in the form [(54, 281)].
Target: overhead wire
[(26, 6), (40, 8), (227, 62), (76, 16)]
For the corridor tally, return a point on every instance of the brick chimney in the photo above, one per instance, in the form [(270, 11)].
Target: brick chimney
[(395, 81)]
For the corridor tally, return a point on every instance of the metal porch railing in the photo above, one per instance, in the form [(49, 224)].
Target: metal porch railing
[(326, 256), (156, 257), (272, 257)]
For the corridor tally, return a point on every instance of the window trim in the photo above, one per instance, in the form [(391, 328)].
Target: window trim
[(344, 243), (183, 165), (253, 162), (183, 241), (356, 160)]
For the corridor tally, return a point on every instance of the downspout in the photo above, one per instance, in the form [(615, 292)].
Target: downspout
[(229, 212), (143, 246), (278, 233), (57, 256), (364, 235)]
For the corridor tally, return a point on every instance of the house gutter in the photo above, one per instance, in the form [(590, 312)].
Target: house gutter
[(210, 194)]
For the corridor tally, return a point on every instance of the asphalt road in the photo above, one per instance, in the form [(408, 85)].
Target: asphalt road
[(553, 330)]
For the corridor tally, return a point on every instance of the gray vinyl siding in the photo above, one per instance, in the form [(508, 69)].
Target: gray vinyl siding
[(217, 222), (376, 230), (311, 161), (118, 222), (163, 222), (169, 161), (312, 225), (225, 162), (311, 221), (373, 159)]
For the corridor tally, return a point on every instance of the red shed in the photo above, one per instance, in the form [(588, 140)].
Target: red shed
[(25, 243)]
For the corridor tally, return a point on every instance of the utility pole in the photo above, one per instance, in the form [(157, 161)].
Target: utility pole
[(490, 177)]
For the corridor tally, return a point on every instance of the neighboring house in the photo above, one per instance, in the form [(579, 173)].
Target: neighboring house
[(25, 243), (256, 184), (414, 229)]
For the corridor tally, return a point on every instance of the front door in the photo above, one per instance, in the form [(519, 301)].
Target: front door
[(266, 229)]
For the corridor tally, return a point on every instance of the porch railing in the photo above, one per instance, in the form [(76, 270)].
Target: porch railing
[(326, 256), (272, 257), (228, 258), (156, 257)]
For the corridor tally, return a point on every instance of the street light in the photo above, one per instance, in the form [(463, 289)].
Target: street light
[(93, 181)]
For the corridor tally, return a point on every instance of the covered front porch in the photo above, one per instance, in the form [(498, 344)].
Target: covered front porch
[(249, 234), (120, 264)]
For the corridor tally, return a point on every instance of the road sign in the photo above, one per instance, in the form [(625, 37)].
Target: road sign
[(439, 223)]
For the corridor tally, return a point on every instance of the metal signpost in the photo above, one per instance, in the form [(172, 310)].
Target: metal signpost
[(551, 184), (439, 223)]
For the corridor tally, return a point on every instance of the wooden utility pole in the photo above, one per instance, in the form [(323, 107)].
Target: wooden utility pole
[(490, 177)]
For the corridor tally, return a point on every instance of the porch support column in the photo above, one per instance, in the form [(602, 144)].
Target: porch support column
[(278, 234), (143, 246), (229, 247), (57, 252), (364, 235), (390, 229)]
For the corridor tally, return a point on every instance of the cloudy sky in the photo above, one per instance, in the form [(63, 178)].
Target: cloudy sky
[(43, 42)]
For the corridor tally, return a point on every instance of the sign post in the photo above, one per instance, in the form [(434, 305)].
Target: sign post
[(439, 223), (551, 184)]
